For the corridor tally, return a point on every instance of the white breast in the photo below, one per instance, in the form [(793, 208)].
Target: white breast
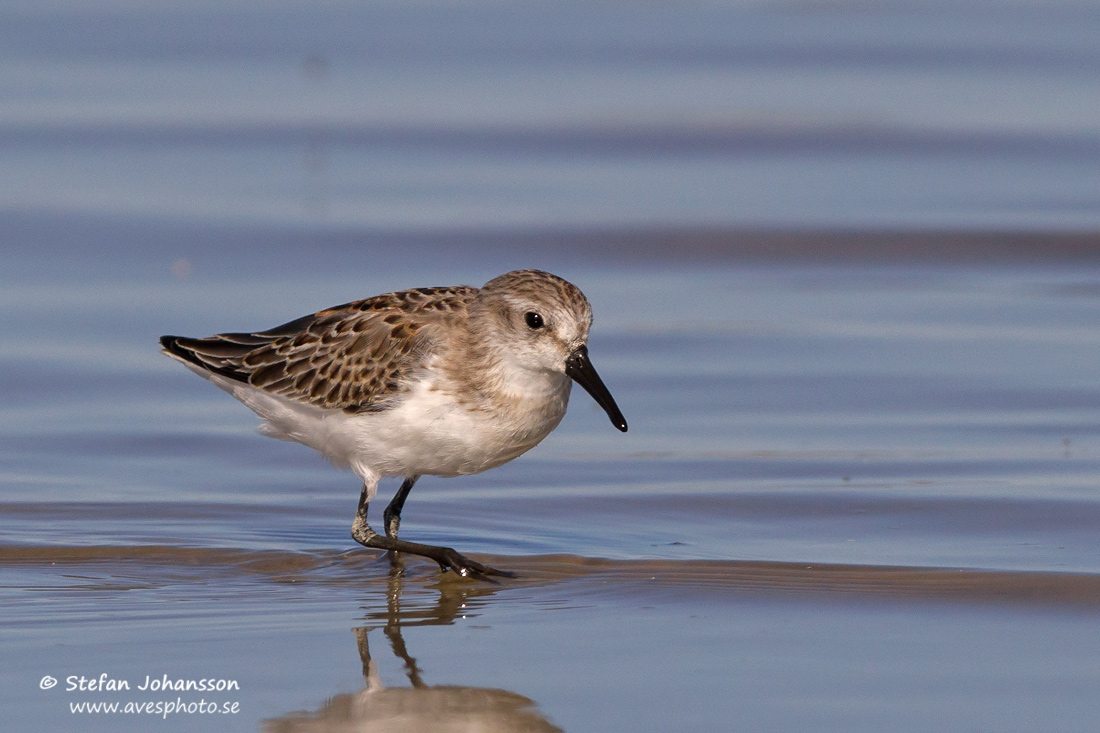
[(428, 433), (431, 433)]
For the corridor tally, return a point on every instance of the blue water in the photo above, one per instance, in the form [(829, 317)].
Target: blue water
[(434, 116), (896, 415), (844, 273)]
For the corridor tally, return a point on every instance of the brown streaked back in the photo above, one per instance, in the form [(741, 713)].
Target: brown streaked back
[(354, 357)]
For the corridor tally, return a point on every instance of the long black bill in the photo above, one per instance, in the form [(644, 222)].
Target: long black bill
[(583, 373)]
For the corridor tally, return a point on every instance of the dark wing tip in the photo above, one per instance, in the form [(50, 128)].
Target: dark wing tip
[(171, 345), (177, 346)]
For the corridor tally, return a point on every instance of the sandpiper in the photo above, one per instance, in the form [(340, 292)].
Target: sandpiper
[(442, 381)]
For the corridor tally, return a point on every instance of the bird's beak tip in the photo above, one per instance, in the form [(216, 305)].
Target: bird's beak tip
[(583, 373)]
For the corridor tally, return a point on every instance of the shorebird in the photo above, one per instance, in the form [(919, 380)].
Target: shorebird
[(443, 381)]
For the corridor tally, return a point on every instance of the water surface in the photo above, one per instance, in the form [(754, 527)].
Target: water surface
[(843, 263), (848, 491)]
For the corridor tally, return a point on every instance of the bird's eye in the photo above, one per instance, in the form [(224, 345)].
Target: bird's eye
[(533, 320)]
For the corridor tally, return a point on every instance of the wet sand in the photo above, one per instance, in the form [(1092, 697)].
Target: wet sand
[(149, 567)]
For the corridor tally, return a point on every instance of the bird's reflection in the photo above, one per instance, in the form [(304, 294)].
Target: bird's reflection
[(420, 707)]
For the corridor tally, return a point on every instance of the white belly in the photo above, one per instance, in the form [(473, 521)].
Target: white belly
[(428, 433)]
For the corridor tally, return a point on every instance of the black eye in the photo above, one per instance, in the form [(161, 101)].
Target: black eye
[(533, 320)]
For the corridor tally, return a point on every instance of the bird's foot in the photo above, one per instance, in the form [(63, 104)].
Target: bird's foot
[(450, 559)]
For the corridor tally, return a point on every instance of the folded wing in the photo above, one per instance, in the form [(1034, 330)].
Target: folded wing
[(357, 357)]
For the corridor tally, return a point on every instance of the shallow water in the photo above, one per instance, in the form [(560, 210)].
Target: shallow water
[(334, 642), (850, 495), (845, 280), (450, 115)]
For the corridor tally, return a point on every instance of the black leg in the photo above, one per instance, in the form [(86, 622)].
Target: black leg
[(391, 518), (447, 558)]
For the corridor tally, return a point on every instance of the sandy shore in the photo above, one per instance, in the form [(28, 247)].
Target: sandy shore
[(151, 566)]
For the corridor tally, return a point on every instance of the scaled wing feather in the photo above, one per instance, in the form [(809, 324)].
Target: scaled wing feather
[(354, 357)]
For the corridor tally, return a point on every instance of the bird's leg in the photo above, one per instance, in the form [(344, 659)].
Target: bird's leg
[(391, 518), (446, 557)]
